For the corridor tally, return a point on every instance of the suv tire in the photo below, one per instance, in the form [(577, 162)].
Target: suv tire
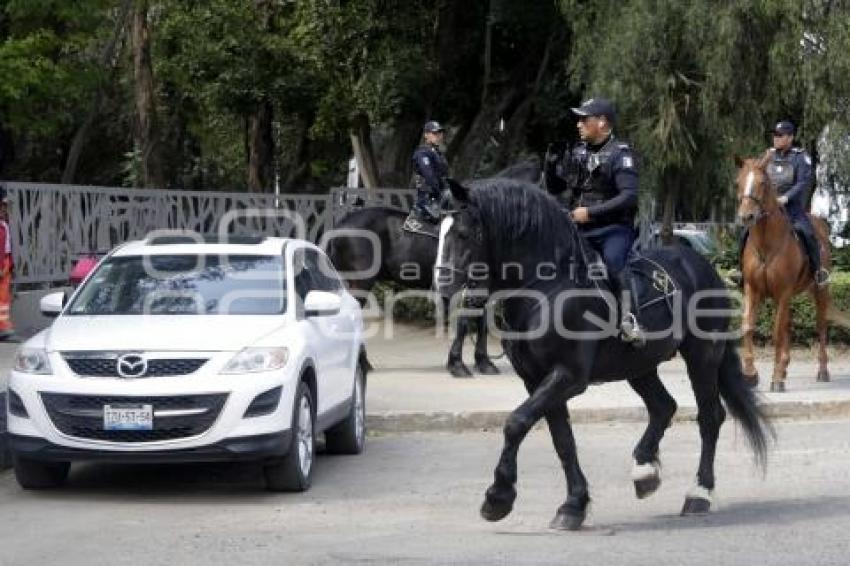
[(349, 436), (294, 472)]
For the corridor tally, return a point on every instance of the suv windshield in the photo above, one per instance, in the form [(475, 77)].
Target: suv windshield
[(184, 284)]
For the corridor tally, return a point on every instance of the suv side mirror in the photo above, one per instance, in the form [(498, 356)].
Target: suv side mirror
[(51, 305), (322, 303)]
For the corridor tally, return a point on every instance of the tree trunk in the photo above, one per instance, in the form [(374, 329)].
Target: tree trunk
[(671, 184), (296, 165), (394, 154), (471, 146), (147, 135), (361, 143), (260, 149), (514, 135), (107, 58)]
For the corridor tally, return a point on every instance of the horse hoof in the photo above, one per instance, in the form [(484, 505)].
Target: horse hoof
[(777, 387), (492, 511), (696, 506), (566, 521), (458, 369), (751, 380), (486, 367), (647, 478), (823, 376), (646, 487)]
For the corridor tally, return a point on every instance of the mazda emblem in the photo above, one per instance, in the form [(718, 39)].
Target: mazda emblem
[(132, 365)]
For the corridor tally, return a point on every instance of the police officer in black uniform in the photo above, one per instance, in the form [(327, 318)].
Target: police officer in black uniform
[(790, 170), (598, 183), (430, 168)]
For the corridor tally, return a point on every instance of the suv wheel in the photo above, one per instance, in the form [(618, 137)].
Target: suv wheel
[(32, 474), (349, 436), (294, 471)]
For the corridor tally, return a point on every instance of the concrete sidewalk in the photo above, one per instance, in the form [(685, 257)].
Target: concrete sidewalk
[(410, 390)]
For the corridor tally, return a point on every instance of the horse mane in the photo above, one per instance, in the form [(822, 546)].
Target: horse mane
[(516, 213)]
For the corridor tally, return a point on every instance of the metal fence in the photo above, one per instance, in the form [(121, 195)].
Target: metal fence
[(52, 225)]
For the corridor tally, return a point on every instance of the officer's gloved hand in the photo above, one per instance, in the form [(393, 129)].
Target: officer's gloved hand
[(432, 211)]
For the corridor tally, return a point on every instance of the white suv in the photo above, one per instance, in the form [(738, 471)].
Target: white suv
[(190, 349)]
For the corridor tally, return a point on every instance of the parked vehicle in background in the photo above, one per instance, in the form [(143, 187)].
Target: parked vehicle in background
[(700, 240)]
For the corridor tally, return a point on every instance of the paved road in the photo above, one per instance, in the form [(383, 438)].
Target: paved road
[(413, 499)]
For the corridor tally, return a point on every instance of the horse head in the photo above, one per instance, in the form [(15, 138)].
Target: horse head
[(756, 195), (460, 265)]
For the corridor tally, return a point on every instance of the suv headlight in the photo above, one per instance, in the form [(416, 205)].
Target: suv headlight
[(252, 360), (32, 360)]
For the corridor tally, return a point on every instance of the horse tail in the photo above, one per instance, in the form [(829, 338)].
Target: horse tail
[(741, 401)]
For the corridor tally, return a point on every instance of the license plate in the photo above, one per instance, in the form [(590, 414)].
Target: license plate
[(136, 417)]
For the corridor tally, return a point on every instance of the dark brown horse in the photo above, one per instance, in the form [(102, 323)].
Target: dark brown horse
[(775, 266)]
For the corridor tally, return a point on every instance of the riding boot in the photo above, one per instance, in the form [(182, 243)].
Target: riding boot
[(812, 246), (630, 330)]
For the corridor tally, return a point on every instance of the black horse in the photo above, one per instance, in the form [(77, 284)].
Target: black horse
[(408, 259), (402, 257), (513, 229)]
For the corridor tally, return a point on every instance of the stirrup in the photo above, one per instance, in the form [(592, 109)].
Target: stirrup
[(822, 277), (630, 331)]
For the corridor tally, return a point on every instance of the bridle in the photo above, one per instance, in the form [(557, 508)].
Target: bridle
[(762, 210), (470, 283)]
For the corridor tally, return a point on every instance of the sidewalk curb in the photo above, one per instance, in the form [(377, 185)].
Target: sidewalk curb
[(441, 421)]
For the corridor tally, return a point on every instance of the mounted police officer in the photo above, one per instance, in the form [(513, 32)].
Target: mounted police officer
[(790, 170), (598, 184), (430, 168)]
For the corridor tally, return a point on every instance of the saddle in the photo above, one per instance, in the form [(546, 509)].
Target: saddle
[(650, 282), (415, 225)]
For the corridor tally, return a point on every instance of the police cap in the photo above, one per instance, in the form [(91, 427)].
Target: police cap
[(597, 107), (432, 126), (784, 128)]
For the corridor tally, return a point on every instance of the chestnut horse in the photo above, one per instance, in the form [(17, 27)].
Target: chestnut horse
[(775, 266)]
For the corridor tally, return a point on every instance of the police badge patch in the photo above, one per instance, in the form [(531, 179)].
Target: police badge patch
[(807, 159), (426, 161), (627, 161)]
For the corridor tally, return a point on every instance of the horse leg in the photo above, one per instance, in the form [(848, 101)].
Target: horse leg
[(782, 339), (553, 391), (573, 512), (704, 373), (821, 297), (751, 310), (483, 364), (455, 363), (646, 473)]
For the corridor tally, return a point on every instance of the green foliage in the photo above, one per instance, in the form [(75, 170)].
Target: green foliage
[(695, 81), (409, 309), (803, 316), (48, 63), (698, 81), (725, 256)]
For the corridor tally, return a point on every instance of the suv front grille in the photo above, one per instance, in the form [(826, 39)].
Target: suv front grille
[(81, 416), (108, 366)]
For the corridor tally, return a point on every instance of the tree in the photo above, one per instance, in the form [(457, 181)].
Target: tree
[(696, 82)]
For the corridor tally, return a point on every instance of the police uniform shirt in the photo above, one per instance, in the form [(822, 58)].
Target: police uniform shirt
[(610, 192), (791, 174), (431, 167)]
